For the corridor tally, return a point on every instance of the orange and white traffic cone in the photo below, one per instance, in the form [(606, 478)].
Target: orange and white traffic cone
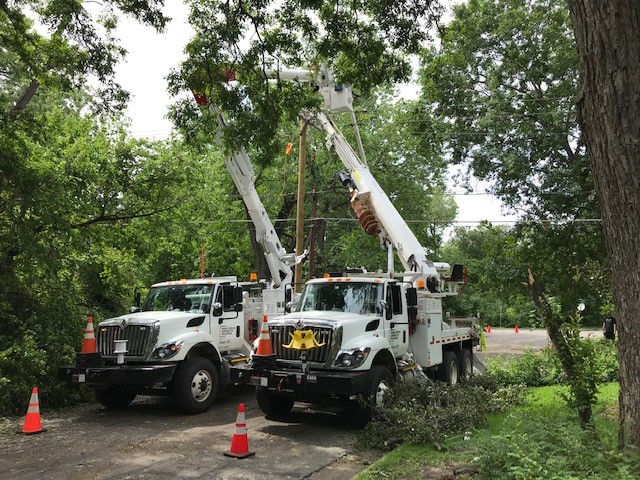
[(264, 351), (488, 328), (240, 442), (32, 420), (516, 330), (89, 342)]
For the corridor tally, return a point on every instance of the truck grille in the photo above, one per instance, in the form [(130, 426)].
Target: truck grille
[(138, 337), (280, 336)]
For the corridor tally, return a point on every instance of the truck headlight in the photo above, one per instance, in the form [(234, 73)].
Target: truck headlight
[(167, 350), (351, 358)]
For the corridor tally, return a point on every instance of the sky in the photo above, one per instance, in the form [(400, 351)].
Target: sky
[(150, 58)]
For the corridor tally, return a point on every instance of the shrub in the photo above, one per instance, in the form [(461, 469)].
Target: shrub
[(551, 447), (425, 412), (543, 368)]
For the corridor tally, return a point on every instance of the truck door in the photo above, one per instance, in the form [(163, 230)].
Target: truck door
[(227, 316), (395, 325)]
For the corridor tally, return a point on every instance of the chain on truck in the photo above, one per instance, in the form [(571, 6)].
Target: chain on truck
[(353, 336), (185, 336)]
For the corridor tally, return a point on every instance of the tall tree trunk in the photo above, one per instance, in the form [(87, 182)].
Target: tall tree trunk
[(608, 42)]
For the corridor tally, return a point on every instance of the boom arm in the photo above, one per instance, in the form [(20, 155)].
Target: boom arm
[(278, 260), (391, 224), (373, 203)]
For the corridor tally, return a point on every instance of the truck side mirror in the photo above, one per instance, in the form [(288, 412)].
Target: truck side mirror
[(386, 308), (237, 298), (136, 298), (288, 295), (412, 297), (237, 295), (217, 309)]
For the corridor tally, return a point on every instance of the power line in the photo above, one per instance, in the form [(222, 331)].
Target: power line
[(422, 222)]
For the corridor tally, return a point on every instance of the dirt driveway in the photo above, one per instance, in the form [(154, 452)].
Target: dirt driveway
[(150, 440)]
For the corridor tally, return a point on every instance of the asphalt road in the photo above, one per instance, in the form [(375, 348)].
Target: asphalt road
[(151, 440)]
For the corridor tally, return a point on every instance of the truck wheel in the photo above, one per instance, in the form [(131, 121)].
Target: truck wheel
[(273, 405), (378, 386), (465, 364), (196, 385), (115, 397), (448, 371)]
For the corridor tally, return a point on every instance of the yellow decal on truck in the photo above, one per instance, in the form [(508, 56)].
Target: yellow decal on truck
[(303, 340)]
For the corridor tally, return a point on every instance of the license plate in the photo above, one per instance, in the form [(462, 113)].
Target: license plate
[(78, 378), (312, 379), (261, 381)]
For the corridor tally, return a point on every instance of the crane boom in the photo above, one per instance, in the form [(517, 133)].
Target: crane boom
[(242, 173), (367, 189)]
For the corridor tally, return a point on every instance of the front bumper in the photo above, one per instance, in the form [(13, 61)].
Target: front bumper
[(102, 376), (299, 384)]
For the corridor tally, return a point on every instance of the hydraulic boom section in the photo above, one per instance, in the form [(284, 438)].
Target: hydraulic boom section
[(278, 260), (375, 211), (371, 200)]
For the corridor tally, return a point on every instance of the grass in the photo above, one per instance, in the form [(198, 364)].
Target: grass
[(538, 439)]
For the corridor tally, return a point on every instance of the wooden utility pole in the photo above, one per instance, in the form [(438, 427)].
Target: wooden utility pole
[(302, 160)]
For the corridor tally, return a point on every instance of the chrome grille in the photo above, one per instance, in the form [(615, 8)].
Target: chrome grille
[(280, 335), (137, 335)]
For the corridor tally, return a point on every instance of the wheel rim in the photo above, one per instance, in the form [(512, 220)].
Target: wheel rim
[(381, 395), (453, 373), (468, 368), (201, 385)]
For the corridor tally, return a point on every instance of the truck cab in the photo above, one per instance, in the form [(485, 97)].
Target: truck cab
[(181, 341), (351, 338)]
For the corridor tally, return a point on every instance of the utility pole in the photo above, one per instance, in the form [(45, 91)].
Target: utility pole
[(302, 160)]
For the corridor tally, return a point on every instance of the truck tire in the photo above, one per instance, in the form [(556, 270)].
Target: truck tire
[(114, 397), (379, 384), (273, 405), (465, 364), (448, 370), (195, 385)]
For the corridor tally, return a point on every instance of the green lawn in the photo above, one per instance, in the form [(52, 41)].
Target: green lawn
[(538, 439)]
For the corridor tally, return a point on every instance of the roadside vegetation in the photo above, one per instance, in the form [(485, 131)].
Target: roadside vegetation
[(515, 422)]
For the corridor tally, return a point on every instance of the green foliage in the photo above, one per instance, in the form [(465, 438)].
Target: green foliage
[(541, 440), (366, 44), (538, 438), (498, 258), (501, 87), (543, 368), (422, 412), (503, 81)]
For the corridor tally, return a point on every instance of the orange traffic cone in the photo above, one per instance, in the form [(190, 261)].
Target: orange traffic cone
[(516, 330), (240, 442), (264, 351), (89, 342), (32, 420), (488, 328)]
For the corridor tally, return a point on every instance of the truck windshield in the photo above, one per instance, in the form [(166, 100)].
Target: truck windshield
[(185, 298), (361, 298)]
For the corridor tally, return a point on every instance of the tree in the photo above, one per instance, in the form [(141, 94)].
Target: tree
[(498, 94), (608, 44), (365, 43), (66, 170), (502, 83)]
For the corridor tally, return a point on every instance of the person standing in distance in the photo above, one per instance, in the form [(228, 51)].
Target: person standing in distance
[(610, 326)]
